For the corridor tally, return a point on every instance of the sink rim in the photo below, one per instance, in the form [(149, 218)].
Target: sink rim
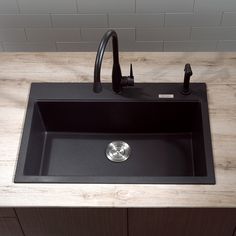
[(83, 92)]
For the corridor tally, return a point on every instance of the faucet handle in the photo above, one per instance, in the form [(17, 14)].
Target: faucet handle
[(187, 74), (128, 80), (188, 70), (131, 72)]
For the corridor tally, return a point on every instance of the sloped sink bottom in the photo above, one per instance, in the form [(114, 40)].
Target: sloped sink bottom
[(84, 154), (68, 129)]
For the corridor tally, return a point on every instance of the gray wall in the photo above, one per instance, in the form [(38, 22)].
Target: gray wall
[(143, 25)]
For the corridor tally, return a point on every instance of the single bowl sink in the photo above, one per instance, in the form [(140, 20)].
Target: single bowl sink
[(68, 130)]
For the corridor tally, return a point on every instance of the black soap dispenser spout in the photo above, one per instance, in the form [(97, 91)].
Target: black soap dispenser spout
[(187, 74)]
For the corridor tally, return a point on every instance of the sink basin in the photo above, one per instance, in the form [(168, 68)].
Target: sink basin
[(68, 129)]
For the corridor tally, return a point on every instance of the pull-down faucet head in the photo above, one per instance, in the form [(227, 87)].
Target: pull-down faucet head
[(118, 81)]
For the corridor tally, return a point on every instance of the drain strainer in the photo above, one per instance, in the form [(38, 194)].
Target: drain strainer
[(118, 151)]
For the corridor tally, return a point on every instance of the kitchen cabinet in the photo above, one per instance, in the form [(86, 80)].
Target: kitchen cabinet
[(73, 222), (182, 221), (118, 221)]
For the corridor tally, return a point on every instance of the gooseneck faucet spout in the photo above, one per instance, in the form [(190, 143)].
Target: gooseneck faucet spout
[(118, 81)]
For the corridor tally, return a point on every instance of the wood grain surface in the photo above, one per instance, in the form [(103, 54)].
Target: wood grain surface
[(218, 70)]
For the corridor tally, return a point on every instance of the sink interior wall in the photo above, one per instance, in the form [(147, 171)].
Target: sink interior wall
[(36, 144), (110, 120), (125, 117)]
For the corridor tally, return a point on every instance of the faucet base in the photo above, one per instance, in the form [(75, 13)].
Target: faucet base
[(97, 87)]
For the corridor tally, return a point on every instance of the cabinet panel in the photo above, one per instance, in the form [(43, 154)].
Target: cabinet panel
[(70, 222), (181, 222), (10, 227)]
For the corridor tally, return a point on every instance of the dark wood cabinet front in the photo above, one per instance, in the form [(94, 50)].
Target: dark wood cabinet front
[(181, 222), (118, 222), (73, 221)]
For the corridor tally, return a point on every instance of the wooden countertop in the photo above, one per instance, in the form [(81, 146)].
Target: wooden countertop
[(218, 70)]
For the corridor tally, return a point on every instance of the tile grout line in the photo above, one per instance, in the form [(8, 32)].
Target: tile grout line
[(108, 21), (56, 46), (18, 7), (190, 34), (194, 3), (51, 21), (81, 35), (77, 6), (26, 37), (221, 18), (164, 23)]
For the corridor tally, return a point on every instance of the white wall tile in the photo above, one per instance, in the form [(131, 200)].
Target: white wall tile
[(106, 6), (229, 46), (229, 19), (214, 5), (136, 20), (8, 6), (189, 46), (63, 34), (142, 25), (192, 19), (95, 34), (22, 21), (47, 6), (148, 6), (172, 34), (213, 33), (30, 47), (141, 46), (12, 35), (79, 20), (77, 46)]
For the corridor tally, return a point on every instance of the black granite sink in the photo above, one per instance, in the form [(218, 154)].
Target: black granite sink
[(68, 128)]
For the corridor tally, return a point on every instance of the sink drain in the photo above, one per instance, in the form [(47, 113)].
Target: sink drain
[(118, 151)]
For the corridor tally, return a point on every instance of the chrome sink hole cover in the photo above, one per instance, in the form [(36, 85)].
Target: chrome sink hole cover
[(118, 151)]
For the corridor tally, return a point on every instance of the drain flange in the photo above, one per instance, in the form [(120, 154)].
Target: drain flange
[(118, 151)]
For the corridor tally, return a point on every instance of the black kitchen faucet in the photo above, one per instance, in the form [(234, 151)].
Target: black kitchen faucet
[(118, 81)]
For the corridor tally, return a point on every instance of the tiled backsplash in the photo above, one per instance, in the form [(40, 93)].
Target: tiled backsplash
[(142, 25)]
